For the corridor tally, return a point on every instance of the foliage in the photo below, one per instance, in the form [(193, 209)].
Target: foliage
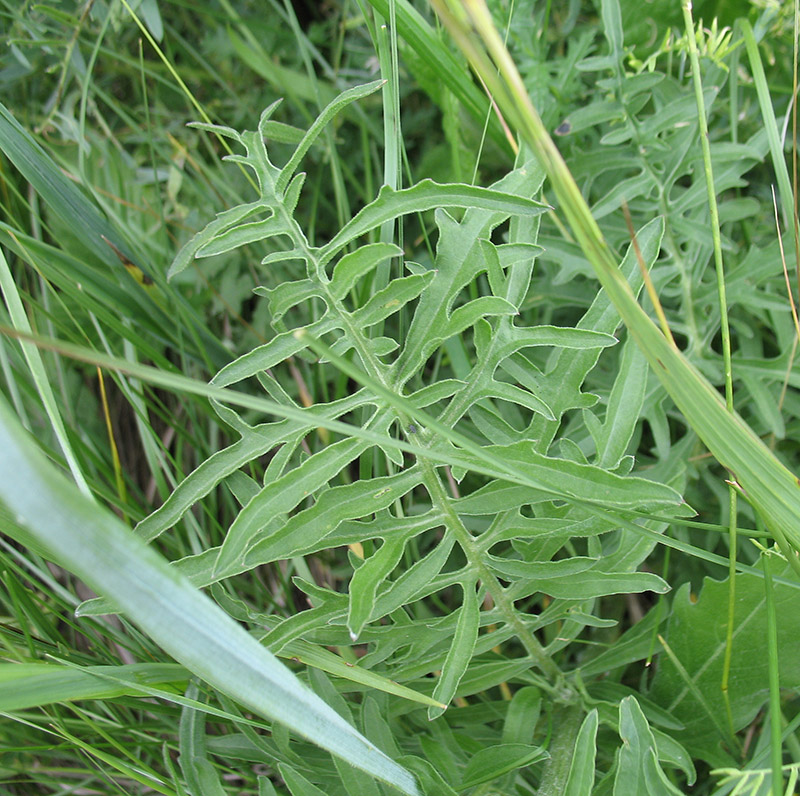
[(383, 417)]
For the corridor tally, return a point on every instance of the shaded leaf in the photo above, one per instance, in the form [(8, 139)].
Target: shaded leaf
[(494, 761)]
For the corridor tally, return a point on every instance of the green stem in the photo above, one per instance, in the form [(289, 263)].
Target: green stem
[(726, 338), (776, 731), (472, 551), (567, 722)]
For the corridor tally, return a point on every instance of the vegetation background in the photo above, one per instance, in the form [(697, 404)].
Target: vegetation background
[(461, 485)]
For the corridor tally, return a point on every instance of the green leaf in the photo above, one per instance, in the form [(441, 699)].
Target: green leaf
[(33, 358), (416, 579), (585, 481), (493, 761), (581, 771), (298, 785), (427, 195), (522, 715), (240, 235), (460, 653), (634, 644), (611, 438), (28, 685), (638, 770), (328, 114), (391, 299), (465, 316), (366, 581), (771, 488), (281, 496), (574, 584), (152, 18), (304, 531), (99, 549), (287, 295), (201, 776), (223, 222), (355, 265), (696, 635), (431, 780)]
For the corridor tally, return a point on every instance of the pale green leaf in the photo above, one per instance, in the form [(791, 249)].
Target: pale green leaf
[(391, 299), (522, 715), (94, 544), (287, 295), (638, 770), (366, 581), (581, 771), (282, 495), (223, 222), (241, 235), (328, 114), (427, 195), (298, 785), (355, 265), (460, 653)]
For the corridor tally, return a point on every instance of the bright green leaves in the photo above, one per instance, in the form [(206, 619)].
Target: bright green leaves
[(374, 483)]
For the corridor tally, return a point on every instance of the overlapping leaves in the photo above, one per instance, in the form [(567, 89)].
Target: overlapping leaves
[(498, 414)]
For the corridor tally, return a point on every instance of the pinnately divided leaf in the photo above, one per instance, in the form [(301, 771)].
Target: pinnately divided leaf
[(492, 527)]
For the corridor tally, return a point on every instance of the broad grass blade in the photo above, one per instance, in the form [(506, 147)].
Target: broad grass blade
[(97, 547)]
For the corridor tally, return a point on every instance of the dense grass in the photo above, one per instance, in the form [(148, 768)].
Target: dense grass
[(400, 435)]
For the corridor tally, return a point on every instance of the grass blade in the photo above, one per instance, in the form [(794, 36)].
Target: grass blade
[(95, 545)]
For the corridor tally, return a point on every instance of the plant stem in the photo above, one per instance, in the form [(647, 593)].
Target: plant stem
[(567, 722), (501, 599), (776, 731), (726, 337)]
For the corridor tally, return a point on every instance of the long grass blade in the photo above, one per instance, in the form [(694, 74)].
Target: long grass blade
[(97, 547)]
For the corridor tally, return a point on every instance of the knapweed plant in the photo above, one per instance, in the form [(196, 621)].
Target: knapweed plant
[(426, 460)]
